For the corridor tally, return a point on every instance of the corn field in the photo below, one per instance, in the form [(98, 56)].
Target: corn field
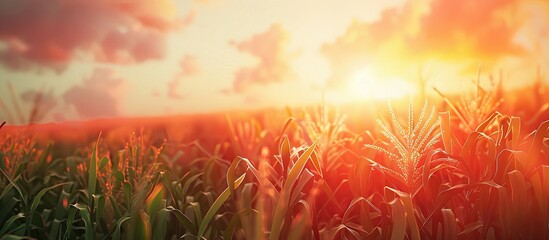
[(423, 169)]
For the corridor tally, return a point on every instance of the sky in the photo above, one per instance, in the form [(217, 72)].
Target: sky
[(87, 59)]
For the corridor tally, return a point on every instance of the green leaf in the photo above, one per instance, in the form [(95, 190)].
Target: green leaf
[(116, 235), (265, 183), (115, 207), (197, 211), (118, 175), (143, 228), (40, 194), (184, 220), (70, 220), (92, 171), (103, 163), (54, 229), (231, 174), (12, 182), (235, 220), (38, 198), (284, 152), (188, 183), (14, 237), (6, 226), (127, 189), (216, 205), (285, 193), (306, 177), (85, 214), (406, 200), (99, 205), (154, 202), (7, 207), (160, 224)]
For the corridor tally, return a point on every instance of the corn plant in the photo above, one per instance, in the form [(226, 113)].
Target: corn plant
[(409, 145), (473, 108)]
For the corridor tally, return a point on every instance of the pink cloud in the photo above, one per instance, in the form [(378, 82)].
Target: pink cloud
[(97, 96), (270, 48), (188, 66), (52, 33)]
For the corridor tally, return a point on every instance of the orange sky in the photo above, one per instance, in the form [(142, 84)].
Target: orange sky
[(109, 58)]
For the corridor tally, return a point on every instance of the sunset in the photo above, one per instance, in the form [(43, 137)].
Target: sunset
[(145, 58), (216, 119)]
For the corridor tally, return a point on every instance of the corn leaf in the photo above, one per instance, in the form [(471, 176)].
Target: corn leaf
[(92, 177), (215, 207), (285, 194)]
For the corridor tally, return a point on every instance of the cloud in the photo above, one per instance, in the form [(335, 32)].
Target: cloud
[(270, 48), (49, 34), (41, 103), (422, 31), (188, 66), (97, 96), (484, 29)]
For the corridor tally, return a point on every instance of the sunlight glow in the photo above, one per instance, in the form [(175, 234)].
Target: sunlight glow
[(364, 85)]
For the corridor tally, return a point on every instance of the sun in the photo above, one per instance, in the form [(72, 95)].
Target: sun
[(364, 85)]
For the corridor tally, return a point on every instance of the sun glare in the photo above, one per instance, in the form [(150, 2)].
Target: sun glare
[(364, 85)]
